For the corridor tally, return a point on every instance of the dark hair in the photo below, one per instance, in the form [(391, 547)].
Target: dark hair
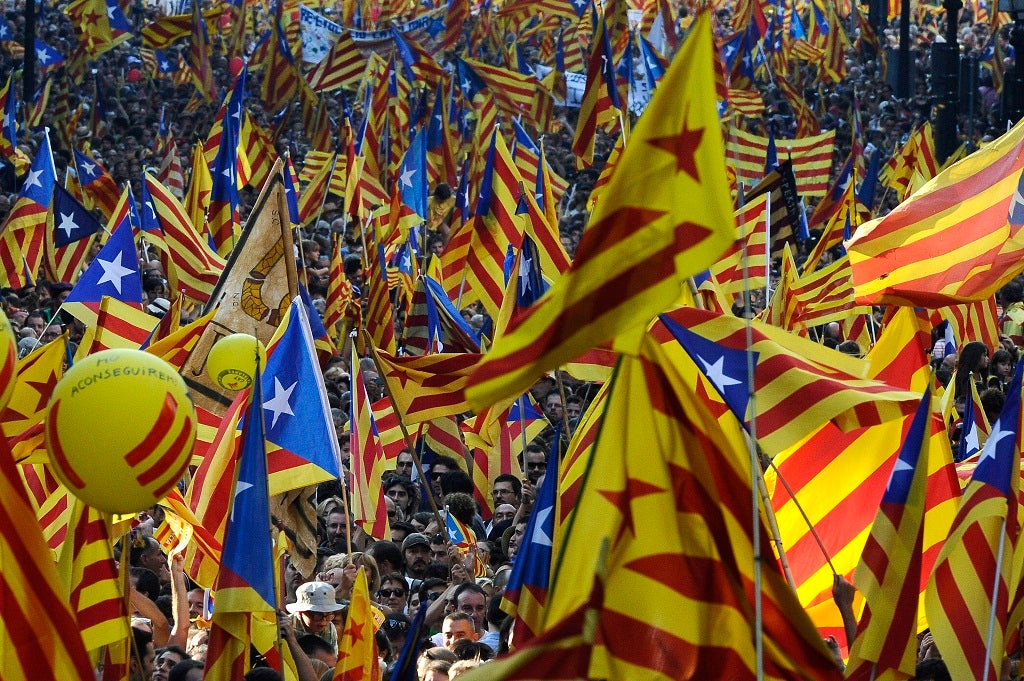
[(460, 504), (180, 671), (386, 550), (471, 650), (430, 583), (495, 615), (148, 584), (456, 481), (396, 625), (263, 674), (395, 577), (312, 644), (468, 586), (517, 484), (932, 669), (446, 461), (141, 639), (968, 360), (411, 488)]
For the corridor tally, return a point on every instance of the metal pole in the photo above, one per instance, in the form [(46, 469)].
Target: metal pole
[(29, 76)]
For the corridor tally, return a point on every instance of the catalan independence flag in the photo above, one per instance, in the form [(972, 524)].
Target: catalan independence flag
[(890, 567), (641, 242), (21, 235), (968, 595), (958, 239), (245, 583)]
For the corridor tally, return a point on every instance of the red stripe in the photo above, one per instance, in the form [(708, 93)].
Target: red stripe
[(164, 464), (164, 419), (57, 450)]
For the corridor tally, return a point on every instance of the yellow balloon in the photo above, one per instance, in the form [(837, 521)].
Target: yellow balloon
[(232, 361), (120, 429), (8, 360)]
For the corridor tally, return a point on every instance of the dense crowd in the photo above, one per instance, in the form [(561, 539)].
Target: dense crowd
[(417, 564)]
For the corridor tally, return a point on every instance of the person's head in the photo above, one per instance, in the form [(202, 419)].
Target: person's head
[(441, 465), (495, 615), (394, 592), (416, 551), (186, 670), (402, 491), (535, 459), (515, 541), (573, 408), (315, 606), (458, 626), (337, 527), (146, 553), (196, 597), (396, 627), (456, 481), (432, 656), (387, 554), (404, 464), (165, 659), (439, 550), (140, 664), (507, 489), (462, 506), (353, 265), (553, 408), (471, 600), (399, 531), (1001, 365), (316, 648), (503, 513), (430, 590), (932, 669), (472, 650)]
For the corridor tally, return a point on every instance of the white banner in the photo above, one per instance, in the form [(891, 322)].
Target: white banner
[(318, 35)]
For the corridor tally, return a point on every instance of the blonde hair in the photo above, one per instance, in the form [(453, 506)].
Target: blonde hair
[(358, 558)]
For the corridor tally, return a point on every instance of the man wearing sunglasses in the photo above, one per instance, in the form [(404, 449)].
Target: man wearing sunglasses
[(393, 593)]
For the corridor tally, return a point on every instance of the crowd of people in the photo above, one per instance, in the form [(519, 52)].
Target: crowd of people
[(417, 564)]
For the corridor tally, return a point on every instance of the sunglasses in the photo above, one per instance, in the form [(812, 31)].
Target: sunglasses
[(399, 626), (388, 593)]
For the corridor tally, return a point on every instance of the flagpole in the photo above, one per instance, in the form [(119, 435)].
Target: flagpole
[(803, 514), (405, 431), (995, 593), (755, 464)]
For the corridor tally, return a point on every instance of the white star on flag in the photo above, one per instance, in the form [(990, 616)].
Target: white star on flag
[(240, 487), (540, 537), (278, 404), (407, 176), (900, 467), (716, 372), (114, 272), (33, 179), (67, 224)]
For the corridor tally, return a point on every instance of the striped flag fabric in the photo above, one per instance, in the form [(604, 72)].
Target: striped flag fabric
[(165, 31), (751, 235), (194, 267), (199, 53), (98, 186), (975, 321), (428, 386), (785, 206), (342, 66), (72, 236), (598, 88), (38, 374), (357, 645), (367, 459), (120, 325), (890, 567), (838, 478), (811, 157), (640, 242), (695, 476), (39, 638), (784, 365), (958, 239), (23, 230), (968, 596), (825, 295), (245, 583), (86, 565), (463, 537)]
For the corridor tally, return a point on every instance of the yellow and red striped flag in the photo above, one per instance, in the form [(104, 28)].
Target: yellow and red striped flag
[(825, 295), (641, 242), (367, 460), (811, 157), (119, 325), (958, 239), (39, 638), (695, 476), (428, 386), (357, 647), (751, 242), (342, 66), (889, 572), (969, 594), (89, 573), (838, 478)]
